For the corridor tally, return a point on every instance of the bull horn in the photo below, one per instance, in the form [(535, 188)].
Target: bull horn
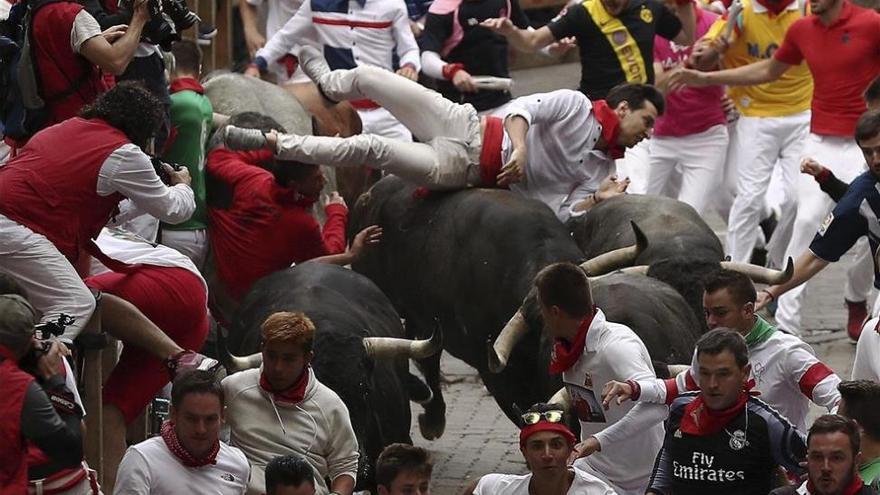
[(562, 398), (760, 274), (512, 333), (617, 258), (241, 363), (391, 347), (629, 270)]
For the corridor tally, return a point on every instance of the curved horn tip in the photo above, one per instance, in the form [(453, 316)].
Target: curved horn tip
[(496, 362), (641, 238)]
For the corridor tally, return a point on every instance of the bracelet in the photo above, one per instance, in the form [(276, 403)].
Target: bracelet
[(636, 390), (766, 291), (450, 70)]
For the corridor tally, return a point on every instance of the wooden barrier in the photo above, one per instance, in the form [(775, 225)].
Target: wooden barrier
[(217, 55)]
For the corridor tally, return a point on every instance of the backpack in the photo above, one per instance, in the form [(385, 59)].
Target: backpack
[(23, 111)]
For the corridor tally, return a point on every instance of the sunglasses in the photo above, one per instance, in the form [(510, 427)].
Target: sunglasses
[(531, 418)]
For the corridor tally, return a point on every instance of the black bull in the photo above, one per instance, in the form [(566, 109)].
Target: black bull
[(467, 261), (345, 308)]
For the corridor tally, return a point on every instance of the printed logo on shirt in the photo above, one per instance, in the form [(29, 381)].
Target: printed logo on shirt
[(586, 406), (738, 440), (845, 38), (646, 15), (826, 223), (227, 477), (701, 469)]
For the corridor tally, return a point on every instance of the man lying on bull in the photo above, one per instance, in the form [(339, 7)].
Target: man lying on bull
[(260, 218), (546, 444), (558, 147), (785, 369), (588, 351), (281, 408)]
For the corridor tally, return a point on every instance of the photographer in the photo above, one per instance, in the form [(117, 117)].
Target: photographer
[(57, 195), (36, 406), (70, 51)]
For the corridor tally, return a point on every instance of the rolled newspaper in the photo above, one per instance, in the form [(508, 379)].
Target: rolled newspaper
[(493, 83)]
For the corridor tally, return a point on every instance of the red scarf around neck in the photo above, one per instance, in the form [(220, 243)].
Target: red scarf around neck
[(7, 353), (610, 127), (565, 354), (854, 486), (699, 420), (293, 395), (183, 455), (186, 83)]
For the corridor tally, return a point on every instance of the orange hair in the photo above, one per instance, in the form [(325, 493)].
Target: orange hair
[(288, 326)]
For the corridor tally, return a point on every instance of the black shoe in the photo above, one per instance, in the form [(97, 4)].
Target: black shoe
[(207, 31), (180, 14), (768, 225)]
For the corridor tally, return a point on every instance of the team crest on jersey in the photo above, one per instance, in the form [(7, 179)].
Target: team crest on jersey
[(738, 440), (227, 477), (588, 380), (646, 15), (826, 223)]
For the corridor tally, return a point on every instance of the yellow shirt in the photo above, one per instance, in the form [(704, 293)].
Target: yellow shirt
[(757, 35)]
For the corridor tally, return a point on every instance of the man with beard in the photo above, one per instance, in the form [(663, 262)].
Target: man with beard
[(832, 460)]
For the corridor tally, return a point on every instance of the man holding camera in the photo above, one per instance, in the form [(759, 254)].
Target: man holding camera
[(38, 408), (70, 51), (55, 198)]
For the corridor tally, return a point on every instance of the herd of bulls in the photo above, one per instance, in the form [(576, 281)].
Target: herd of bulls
[(457, 268)]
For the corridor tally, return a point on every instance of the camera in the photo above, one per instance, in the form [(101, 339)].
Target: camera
[(167, 19), (161, 172), (43, 332)]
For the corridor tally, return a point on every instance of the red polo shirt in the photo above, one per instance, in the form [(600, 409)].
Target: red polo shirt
[(843, 57), (267, 227)]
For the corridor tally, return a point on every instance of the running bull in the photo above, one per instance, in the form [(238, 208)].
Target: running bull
[(466, 260), (682, 249), (360, 352)]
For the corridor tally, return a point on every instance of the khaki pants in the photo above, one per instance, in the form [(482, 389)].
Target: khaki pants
[(447, 156)]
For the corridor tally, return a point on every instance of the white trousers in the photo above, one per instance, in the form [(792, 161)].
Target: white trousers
[(52, 284), (447, 156), (380, 121), (191, 243), (846, 161), (762, 145), (697, 158)]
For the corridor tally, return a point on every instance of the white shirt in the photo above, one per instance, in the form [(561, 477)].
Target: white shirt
[(867, 363), (784, 368), (511, 484), (278, 13), (318, 428), (563, 168), (630, 436), (150, 468), (351, 34), (128, 248)]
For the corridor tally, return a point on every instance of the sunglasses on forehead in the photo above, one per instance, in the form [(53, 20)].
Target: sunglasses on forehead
[(531, 418)]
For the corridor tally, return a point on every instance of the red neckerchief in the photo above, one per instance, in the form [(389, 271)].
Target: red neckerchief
[(854, 486), (699, 420), (186, 83), (564, 355), (610, 127), (7, 353), (293, 395), (185, 458), (775, 8)]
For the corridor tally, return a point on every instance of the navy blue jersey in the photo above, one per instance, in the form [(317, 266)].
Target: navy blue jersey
[(741, 459), (854, 216)]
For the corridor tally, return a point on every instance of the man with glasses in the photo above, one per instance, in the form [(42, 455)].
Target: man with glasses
[(546, 444), (589, 350)]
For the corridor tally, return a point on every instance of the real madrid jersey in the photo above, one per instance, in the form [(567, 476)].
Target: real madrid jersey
[(615, 50), (740, 459)]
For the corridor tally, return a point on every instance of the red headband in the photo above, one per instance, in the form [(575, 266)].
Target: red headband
[(560, 428)]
